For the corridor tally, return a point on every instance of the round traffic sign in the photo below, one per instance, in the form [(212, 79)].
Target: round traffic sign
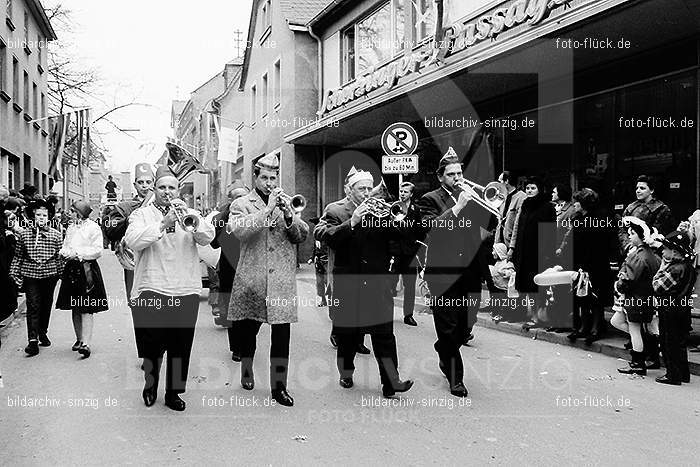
[(399, 139)]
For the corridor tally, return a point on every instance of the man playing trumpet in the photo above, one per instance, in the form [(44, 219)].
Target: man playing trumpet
[(167, 283), (362, 284), (264, 289)]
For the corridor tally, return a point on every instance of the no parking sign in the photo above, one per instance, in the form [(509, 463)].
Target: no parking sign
[(399, 139)]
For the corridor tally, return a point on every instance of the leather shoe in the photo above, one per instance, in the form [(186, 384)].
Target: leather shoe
[(653, 364), (84, 350), (150, 395), (32, 348), (235, 356), (77, 345), (44, 341), (389, 390), (459, 390), (574, 335), (666, 380), (174, 402), (410, 320), (362, 349), (346, 383), (334, 343), (282, 397)]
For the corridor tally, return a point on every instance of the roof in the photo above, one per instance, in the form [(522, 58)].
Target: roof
[(295, 12), (40, 15), (301, 12), (329, 8)]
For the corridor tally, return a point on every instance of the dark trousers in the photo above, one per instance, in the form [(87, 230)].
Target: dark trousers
[(588, 316), (673, 331), (383, 345), (453, 322), (234, 338), (39, 293), (128, 282), (165, 325), (406, 268), (279, 350)]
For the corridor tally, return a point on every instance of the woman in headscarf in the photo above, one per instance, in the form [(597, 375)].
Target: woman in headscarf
[(82, 289), (532, 243)]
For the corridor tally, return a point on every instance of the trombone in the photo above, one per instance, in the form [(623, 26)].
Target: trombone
[(188, 222), (493, 195)]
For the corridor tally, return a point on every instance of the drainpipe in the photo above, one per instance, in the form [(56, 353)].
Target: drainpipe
[(320, 66)]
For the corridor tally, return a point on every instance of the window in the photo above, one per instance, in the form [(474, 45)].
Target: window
[(266, 15), (425, 19), (26, 92), (349, 55), (43, 108), (264, 96), (26, 29), (44, 185), (253, 96), (375, 39), (15, 78), (27, 169), (38, 48), (13, 173), (278, 84), (8, 8), (37, 180), (3, 66), (35, 101)]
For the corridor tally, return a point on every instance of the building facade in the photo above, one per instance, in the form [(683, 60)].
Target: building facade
[(279, 81), (24, 144), (590, 93)]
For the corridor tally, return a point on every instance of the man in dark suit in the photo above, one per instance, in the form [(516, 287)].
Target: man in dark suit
[(455, 229), (404, 250), (226, 269), (362, 301), (343, 212)]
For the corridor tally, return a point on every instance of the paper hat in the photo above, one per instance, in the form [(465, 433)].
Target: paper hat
[(163, 171), (360, 175), (351, 172), (450, 157), (143, 169), (270, 162)]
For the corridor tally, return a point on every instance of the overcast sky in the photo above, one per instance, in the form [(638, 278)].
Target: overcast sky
[(148, 51)]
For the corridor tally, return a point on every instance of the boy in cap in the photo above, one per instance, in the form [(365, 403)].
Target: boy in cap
[(673, 284)]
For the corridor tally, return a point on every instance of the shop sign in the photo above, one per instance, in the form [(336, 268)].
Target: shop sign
[(457, 37)]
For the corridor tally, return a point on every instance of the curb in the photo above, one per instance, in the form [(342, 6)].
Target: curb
[(610, 346)]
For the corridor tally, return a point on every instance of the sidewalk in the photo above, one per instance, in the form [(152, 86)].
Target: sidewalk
[(611, 345)]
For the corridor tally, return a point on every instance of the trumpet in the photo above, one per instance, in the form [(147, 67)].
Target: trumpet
[(296, 202), (493, 195), (188, 222), (380, 208)]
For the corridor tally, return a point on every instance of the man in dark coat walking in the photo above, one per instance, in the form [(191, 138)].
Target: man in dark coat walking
[(362, 300), (456, 227)]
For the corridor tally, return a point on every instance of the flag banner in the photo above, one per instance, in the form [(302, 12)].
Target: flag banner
[(59, 139), (229, 140)]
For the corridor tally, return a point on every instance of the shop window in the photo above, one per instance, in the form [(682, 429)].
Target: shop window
[(375, 39), (349, 55), (425, 18)]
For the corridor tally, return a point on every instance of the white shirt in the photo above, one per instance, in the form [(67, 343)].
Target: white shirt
[(84, 238), (165, 263)]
